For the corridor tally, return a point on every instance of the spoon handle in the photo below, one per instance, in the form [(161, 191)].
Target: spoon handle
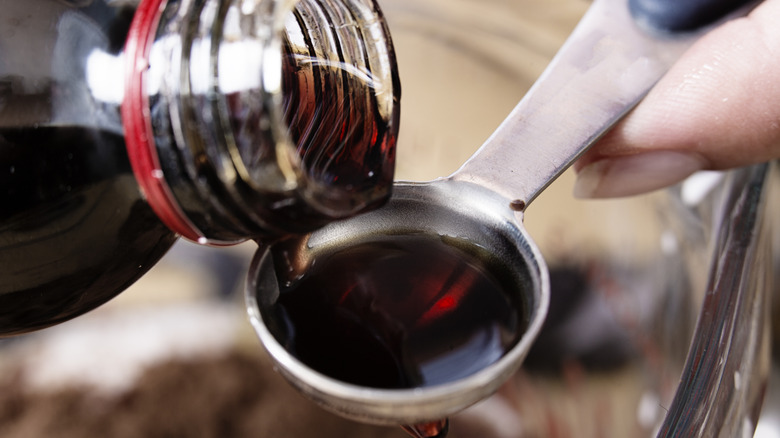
[(610, 61)]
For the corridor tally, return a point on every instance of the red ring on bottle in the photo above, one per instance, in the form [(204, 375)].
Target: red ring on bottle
[(136, 119)]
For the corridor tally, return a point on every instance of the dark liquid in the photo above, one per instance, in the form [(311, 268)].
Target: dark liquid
[(74, 230), (401, 311), (344, 135)]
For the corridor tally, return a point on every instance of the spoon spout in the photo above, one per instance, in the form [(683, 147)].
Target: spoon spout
[(606, 66)]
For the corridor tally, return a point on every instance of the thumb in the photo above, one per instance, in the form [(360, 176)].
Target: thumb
[(717, 108)]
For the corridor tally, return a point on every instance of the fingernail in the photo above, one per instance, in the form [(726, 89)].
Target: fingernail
[(635, 174)]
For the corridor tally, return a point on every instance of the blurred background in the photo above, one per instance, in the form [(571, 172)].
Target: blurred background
[(174, 355)]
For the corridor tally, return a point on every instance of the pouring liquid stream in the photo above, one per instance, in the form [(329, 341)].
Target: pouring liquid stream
[(434, 429)]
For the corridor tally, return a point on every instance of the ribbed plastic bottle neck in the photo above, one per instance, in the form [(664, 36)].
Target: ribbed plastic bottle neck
[(255, 119)]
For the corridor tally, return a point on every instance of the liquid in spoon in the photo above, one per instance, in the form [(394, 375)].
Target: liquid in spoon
[(395, 312)]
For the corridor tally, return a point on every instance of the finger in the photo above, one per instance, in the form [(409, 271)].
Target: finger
[(717, 108)]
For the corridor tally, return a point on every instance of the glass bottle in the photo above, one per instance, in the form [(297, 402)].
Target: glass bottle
[(125, 124)]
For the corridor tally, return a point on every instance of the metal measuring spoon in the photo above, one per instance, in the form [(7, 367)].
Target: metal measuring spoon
[(614, 56)]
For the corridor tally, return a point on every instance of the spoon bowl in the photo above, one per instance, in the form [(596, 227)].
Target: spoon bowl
[(455, 211)]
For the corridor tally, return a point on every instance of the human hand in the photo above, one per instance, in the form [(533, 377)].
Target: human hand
[(717, 108)]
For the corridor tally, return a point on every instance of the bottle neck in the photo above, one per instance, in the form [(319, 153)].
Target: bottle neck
[(255, 119)]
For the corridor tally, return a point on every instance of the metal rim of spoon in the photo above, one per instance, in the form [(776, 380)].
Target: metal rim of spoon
[(606, 66)]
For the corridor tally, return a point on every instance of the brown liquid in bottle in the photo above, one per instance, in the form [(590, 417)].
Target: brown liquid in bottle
[(341, 109), (75, 230)]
